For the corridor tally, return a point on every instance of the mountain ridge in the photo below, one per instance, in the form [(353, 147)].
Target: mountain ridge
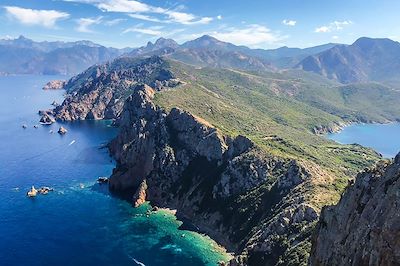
[(367, 59)]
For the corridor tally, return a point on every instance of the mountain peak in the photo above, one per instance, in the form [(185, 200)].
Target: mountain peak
[(163, 42), (206, 41)]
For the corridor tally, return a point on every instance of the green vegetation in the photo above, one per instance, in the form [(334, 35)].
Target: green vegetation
[(279, 111)]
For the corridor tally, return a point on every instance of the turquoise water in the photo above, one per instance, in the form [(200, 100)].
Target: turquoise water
[(384, 138), (79, 223)]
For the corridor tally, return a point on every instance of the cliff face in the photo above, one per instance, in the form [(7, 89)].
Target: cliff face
[(248, 200), (100, 91), (363, 228)]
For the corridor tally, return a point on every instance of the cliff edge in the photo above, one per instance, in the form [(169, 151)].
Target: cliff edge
[(364, 227)]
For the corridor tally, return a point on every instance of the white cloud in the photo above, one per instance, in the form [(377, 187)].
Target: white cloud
[(323, 29), (154, 31), (333, 26), (85, 23), (145, 17), (219, 17), (46, 18), (254, 35), (335, 37), (186, 18), (144, 31), (251, 35), (140, 10), (289, 22), (113, 22)]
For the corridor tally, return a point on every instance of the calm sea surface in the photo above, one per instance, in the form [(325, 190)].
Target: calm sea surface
[(79, 223), (384, 138)]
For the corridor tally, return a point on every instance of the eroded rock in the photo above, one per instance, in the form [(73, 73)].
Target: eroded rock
[(364, 227)]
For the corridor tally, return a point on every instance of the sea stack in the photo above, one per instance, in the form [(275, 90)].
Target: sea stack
[(47, 119), (32, 193), (62, 130), (54, 85)]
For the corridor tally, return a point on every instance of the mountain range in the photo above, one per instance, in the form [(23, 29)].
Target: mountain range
[(365, 60), (24, 56)]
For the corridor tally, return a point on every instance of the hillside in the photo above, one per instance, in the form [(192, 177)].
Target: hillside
[(253, 131), (365, 60)]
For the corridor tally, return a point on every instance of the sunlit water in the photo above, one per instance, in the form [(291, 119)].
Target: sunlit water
[(79, 223), (384, 138)]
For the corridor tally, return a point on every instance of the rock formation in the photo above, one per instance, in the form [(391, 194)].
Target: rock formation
[(100, 91), (62, 130), (55, 85), (47, 119), (364, 227), (140, 195), (246, 199)]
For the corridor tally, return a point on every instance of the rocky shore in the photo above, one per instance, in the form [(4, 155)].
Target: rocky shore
[(260, 206), (100, 91), (245, 199), (55, 85)]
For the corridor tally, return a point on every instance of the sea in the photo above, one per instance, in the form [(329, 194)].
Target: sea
[(80, 222), (383, 138)]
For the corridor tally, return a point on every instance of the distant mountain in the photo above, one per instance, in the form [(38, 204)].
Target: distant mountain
[(365, 60), (25, 56), (209, 51), (204, 51)]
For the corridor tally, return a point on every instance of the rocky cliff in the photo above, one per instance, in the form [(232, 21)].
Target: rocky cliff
[(363, 228), (249, 201), (100, 91)]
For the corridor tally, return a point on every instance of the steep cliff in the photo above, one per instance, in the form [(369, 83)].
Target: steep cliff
[(364, 227), (259, 199), (100, 91), (248, 200)]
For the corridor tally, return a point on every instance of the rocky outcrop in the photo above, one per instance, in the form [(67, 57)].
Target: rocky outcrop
[(140, 195), (331, 128), (100, 91), (62, 131), (364, 227), (249, 201), (55, 85), (47, 119)]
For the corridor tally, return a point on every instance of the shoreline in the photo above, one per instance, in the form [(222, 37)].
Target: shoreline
[(341, 126), (217, 247)]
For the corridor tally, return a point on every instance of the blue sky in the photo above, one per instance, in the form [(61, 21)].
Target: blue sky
[(255, 23)]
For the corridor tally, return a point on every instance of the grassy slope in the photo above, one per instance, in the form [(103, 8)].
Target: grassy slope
[(278, 111)]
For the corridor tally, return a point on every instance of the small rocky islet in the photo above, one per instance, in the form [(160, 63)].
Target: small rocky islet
[(33, 192)]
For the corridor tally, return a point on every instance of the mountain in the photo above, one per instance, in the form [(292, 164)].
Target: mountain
[(233, 151), (364, 222), (234, 147), (45, 46), (25, 56), (209, 51), (365, 60)]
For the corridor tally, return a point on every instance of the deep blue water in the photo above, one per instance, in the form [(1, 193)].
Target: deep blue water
[(79, 223), (384, 138)]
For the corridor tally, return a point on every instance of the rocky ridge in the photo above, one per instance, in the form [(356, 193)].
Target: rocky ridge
[(100, 91), (363, 228), (54, 85), (249, 201)]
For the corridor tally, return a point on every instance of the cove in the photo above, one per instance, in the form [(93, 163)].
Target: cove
[(383, 138), (80, 223)]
